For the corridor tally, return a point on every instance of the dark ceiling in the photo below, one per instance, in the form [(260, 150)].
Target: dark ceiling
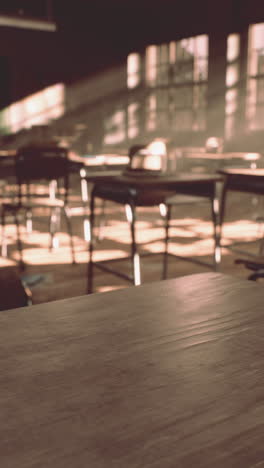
[(93, 35), (132, 23)]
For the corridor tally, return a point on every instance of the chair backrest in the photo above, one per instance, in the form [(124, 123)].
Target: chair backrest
[(214, 144), (36, 163), (41, 162), (149, 159)]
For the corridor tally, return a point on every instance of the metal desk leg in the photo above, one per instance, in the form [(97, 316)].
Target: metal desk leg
[(166, 241), (222, 199), (85, 193), (131, 218), (90, 259), (3, 240), (216, 216)]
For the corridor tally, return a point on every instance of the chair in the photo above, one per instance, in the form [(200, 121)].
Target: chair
[(132, 199), (33, 164)]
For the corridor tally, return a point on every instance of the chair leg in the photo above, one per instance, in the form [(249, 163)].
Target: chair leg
[(52, 227), (3, 240), (261, 245), (58, 219), (131, 218), (101, 223), (222, 206), (217, 218), (69, 229), (90, 251), (29, 221), (85, 194), (19, 242), (166, 241)]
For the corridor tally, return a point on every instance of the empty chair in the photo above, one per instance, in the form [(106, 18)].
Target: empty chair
[(34, 164)]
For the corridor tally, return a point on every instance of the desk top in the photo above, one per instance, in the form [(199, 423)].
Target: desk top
[(242, 172), (141, 180), (224, 156), (99, 160), (94, 160), (169, 374)]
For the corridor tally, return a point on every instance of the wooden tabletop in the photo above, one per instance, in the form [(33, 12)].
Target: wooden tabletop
[(169, 178), (138, 179), (224, 156), (243, 172), (99, 160), (93, 160), (165, 375)]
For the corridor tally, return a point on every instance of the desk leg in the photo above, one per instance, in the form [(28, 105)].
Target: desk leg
[(90, 259), (166, 240), (131, 218), (19, 242), (3, 240), (222, 198), (86, 194), (216, 216)]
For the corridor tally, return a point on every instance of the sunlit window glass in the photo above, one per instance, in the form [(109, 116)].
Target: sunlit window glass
[(255, 78), (232, 82), (39, 108), (133, 70)]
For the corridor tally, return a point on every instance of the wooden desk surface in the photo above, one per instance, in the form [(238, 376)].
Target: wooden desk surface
[(243, 172), (139, 180), (100, 160), (165, 375), (167, 179), (96, 160), (224, 156)]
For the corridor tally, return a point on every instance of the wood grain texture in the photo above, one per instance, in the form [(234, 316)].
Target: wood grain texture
[(259, 172), (223, 156), (169, 374)]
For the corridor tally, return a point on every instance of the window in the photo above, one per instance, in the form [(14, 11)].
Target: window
[(157, 65), (36, 109), (115, 125), (255, 78), (177, 75), (133, 119), (232, 81), (133, 70)]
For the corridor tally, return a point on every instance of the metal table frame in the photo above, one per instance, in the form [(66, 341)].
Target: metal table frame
[(207, 186)]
